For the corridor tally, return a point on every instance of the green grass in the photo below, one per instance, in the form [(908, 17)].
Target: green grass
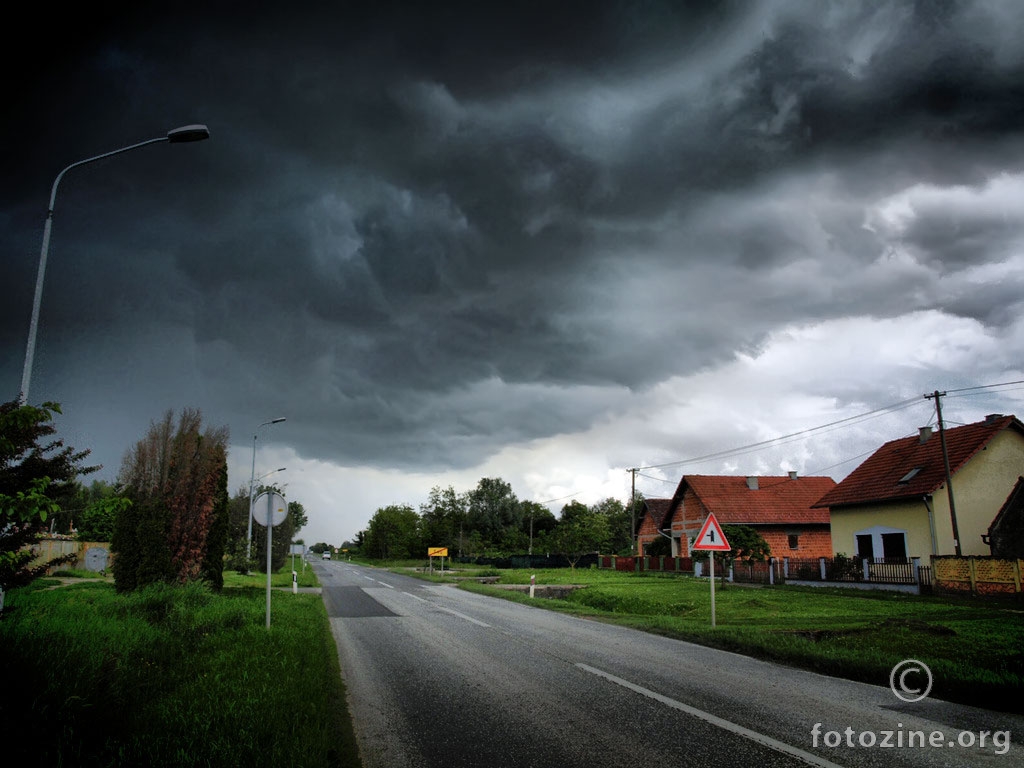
[(282, 578), (78, 573), (974, 648), (170, 676)]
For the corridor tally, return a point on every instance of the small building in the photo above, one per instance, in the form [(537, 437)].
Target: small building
[(1006, 534), (895, 505), (652, 514), (781, 509)]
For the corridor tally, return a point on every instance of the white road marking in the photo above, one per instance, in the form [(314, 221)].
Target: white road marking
[(707, 717), (463, 616), (415, 597)]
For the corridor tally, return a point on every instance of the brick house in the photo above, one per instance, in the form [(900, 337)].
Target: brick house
[(651, 516), (781, 509)]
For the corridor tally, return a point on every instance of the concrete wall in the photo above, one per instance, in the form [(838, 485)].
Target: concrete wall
[(50, 548)]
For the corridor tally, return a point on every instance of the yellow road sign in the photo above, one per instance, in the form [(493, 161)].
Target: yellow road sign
[(437, 552)]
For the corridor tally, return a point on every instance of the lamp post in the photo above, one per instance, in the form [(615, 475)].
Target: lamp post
[(252, 482), (181, 135)]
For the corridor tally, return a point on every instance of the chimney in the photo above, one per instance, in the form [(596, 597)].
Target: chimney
[(923, 434), (992, 418), (792, 474), (752, 482)]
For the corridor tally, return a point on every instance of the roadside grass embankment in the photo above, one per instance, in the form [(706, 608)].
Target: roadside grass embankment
[(171, 675), (975, 649)]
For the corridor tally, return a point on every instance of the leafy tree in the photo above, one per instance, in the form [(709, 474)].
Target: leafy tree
[(94, 510), (580, 530), (297, 513), (176, 528), (443, 518), (493, 510), (619, 523), (538, 521), (238, 532), (660, 546), (212, 568), (393, 533), (747, 544), (37, 472)]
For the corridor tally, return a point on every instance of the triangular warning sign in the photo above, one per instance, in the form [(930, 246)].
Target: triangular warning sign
[(711, 536)]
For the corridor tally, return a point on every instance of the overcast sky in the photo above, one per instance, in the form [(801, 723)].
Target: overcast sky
[(543, 241)]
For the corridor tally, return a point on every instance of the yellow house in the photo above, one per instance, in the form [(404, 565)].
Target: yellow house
[(896, 504)]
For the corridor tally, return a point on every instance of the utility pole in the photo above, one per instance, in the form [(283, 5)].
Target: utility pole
[(632, 511), (945, 460)]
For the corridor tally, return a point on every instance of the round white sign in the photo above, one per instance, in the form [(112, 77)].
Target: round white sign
[(269, 506)]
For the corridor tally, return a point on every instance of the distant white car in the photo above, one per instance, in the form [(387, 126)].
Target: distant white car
[(327, 555)]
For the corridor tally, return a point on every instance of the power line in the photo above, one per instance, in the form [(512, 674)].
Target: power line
[(985, 386), (764, 443), (830, 427), (560, 498)]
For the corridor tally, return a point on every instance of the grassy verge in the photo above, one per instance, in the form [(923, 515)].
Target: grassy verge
[(170, 676), (974, 649), (305, 577)]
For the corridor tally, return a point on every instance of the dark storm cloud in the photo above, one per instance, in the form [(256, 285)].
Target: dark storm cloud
[(423, 226)]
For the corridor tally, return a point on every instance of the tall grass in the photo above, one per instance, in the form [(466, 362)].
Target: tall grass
[(170, 676), (974, 648)]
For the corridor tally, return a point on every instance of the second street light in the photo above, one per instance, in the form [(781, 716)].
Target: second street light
[(181, 135), (252, 483)]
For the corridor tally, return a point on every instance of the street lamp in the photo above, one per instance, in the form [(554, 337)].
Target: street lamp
[(268, 474), (252, 481), (181, 135)]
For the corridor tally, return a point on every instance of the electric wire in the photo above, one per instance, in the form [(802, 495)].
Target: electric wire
[(830, 427)]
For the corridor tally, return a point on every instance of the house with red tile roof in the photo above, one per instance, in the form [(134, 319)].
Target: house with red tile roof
[(896, 504), (652, 514), (781, 509)]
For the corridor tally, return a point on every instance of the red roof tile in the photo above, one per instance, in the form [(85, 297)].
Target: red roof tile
[(777, 500), (889, 473)]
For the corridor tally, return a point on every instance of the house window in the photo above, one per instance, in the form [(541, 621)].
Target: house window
[(894, 546), (865, 546), (909, 476), (794, 541)]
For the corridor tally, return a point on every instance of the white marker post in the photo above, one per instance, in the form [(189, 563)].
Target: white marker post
[(712, 539)]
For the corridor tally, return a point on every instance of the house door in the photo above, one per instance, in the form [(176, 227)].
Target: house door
[(894, 546), (865, 546)]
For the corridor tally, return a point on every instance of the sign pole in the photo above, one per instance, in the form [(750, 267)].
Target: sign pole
[(711, 559), (712, 539), (270, 530)]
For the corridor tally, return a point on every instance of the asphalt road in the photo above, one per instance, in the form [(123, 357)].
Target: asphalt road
[(441, 677)]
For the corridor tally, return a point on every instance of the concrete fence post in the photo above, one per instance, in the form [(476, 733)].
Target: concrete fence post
[(866, 564), (821, 563), (771, 570)]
